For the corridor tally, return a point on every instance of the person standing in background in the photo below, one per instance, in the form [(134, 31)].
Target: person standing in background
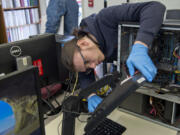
[(58, 8)]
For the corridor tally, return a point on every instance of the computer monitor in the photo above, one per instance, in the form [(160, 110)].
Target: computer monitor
[(44, 52), (120, 92), (20, 112)]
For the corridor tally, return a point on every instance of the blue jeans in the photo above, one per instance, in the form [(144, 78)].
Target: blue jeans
[(58, 8)]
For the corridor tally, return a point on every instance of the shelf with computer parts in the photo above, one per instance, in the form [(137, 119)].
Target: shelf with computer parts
[(171, 97)]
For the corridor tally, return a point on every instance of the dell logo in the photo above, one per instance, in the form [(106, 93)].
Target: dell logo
[(15, 51)]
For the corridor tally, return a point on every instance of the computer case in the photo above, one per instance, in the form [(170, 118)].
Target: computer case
[(136, 102)]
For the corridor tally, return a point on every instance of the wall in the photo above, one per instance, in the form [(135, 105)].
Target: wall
[(170, 4), (98, 5), (115, 2)]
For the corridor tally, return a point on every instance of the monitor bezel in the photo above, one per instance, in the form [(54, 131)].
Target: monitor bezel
[(34, 71)]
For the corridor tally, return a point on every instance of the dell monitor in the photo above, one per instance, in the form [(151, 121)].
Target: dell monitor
[(20, 105), (42, 51)]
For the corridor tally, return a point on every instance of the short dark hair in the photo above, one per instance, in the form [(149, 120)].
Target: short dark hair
[(67, 54), (69, 48)]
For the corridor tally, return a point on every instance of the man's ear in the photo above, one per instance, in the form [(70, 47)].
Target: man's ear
[(83, 43)]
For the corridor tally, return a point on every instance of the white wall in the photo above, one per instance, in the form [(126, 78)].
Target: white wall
[(170, 4), (98, 5), (115, 2), (43, 15)]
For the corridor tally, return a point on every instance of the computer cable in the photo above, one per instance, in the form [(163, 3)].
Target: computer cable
[(82, 121), (75, 83), (73, 112), (68, 87), (65, 95), (59, 124), (158, 108), (48, 90), (175, 52), (58, 127)]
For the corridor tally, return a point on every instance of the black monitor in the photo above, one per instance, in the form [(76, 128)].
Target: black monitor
[(121, 90), (20, 105), (44, 52)]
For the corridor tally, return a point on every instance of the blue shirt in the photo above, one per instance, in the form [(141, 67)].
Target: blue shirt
[(58, 8)]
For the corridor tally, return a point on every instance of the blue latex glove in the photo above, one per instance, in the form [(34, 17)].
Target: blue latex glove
[(93, 102), (140, 59)]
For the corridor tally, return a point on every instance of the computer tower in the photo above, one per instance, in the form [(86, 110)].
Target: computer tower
[(165, 54), (136, 102)]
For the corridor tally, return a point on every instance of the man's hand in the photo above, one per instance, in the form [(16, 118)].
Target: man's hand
[(140, 60), (93, 102)]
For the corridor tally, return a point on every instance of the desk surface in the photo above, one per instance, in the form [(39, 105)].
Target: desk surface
[(134, 125)]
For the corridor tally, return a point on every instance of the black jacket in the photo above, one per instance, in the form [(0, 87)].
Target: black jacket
[(104, 26)]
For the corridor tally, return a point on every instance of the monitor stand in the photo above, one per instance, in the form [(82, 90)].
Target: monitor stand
[(71, 107), (68, 122), (120, 91)]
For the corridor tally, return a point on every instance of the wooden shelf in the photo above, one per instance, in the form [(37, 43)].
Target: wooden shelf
[(3, 36), (21, 25), (20, 8)]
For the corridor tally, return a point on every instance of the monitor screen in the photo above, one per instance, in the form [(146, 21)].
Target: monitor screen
[(43, 52), (19, 102)]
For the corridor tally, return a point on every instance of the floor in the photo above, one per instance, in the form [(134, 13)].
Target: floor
[(134, 125)]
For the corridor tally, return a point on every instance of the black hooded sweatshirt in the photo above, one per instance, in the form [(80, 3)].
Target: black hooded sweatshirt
[(104, 26)]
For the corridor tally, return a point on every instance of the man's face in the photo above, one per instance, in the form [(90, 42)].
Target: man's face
[(88, 55)]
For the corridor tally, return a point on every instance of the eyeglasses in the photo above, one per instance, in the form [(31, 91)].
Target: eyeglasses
[(88, 70), (84, 60)]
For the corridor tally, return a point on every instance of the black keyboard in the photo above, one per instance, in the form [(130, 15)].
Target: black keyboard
[(107, 127)]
